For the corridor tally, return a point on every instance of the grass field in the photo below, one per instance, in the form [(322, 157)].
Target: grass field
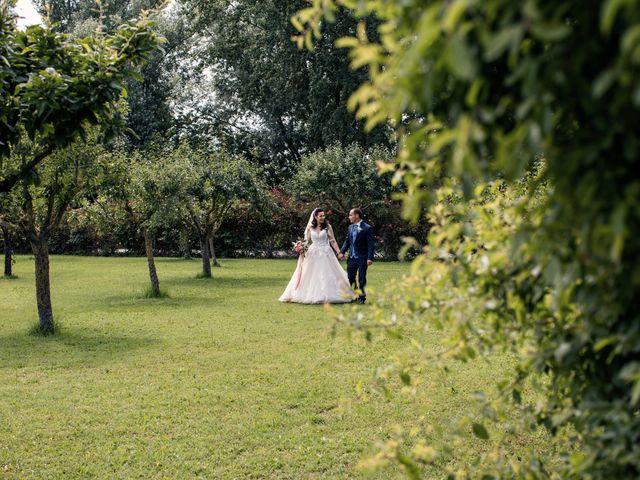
[(218, 381)]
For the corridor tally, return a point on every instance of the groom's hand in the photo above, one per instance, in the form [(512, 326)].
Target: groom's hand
[(341, 256), (369, 263)]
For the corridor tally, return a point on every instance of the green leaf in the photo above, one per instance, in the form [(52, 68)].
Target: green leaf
[(308, 41), (347, 42), (635, 393), (603, 82), (605, 342), (631, 39), (517, 396), (459, 59), (502, 40), (411, 468), (454, 13), (619, 230), (550, 32), (609, 12), (480, 431), (296, 23), (472, 94)]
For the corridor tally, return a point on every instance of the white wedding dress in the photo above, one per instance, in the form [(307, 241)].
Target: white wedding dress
[(319, 277)]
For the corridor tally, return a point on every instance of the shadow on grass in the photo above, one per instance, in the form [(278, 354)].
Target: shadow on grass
[(195, 292), (202, 276), (151, 293), (124, 303), (239, 283), (198, 291), (67, 347)]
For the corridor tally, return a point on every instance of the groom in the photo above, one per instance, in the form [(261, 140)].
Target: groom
[(359, 243)]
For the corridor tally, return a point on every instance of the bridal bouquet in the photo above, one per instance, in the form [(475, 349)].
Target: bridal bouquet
[(300, 246)]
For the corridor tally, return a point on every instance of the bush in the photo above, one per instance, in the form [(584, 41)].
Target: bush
[(545, 262)]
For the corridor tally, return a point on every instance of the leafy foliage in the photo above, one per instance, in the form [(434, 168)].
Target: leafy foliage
[(53, 87), (153, 187), (215, 183), (44, 199), (149, 97), (218, 181), (271, 101), (150, 100), (67, 176), (343, 178), (477, 90), (77, 16)]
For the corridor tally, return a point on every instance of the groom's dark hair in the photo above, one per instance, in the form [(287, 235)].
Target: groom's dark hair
[(358, 212)]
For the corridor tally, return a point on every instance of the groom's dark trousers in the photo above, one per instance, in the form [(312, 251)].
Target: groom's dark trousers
[(357, 267)]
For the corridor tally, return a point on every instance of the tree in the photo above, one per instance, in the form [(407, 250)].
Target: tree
[(216, 182), (57, 183), (149, 98), (342, 178), (54, 87), (153, 184), (478, 90), (67, 17), (8, 249), (9, 208), (272, 102)]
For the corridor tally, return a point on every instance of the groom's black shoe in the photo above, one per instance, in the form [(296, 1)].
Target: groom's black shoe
[(361, 300)]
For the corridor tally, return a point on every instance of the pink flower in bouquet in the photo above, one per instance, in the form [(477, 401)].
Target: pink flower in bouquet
[(300, 246)]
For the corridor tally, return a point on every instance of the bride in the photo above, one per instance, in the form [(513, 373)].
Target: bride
[(319, 278)]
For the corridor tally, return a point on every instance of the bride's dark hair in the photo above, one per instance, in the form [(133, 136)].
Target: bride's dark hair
[(314, 222)]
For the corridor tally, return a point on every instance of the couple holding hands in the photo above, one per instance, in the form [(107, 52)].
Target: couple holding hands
[(319, 277)]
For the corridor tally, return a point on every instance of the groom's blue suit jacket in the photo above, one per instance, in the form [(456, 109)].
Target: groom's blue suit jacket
[(363, 245)]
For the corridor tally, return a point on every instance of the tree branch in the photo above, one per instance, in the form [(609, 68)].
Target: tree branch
[(28, 223), (6, 184)]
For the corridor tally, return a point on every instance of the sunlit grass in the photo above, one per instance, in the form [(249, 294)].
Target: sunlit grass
[(219, 380)]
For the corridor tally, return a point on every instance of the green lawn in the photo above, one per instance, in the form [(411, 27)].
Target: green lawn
[(218, 381)]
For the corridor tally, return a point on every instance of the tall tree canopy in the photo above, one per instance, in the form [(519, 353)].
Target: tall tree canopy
[(270, 99), (149, 97), (73, 15)]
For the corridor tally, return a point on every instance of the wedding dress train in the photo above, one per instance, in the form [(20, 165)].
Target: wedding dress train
[(319, 277)]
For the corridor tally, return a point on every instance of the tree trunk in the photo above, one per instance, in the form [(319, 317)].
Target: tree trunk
[(204, 251), (214, 259), (153, 274), (8, 252), (43, 289)]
